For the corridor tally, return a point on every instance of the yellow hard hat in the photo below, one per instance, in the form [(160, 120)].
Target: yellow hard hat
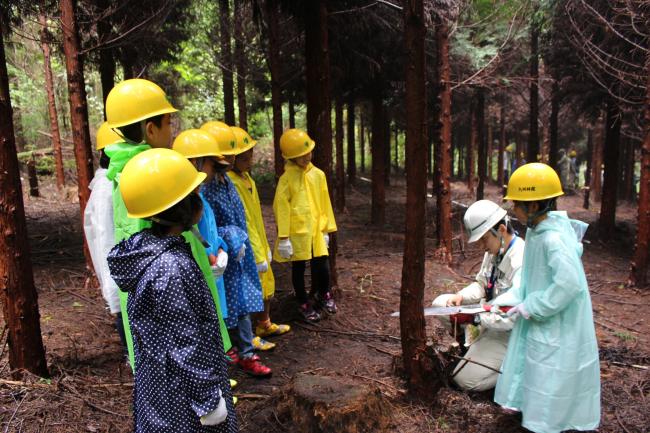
[(572, 153), (106, 136), (510, 148), (195, 143), (532, 182), (155, 180), (135, 100), (244, 141), (226, 140), (295, 143)]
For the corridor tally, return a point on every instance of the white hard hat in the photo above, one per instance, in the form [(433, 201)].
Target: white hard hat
[(481, 217)]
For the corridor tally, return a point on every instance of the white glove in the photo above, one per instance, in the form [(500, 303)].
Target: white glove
[(517, 310), (326, 238), (241, 253), (220, 266), (217, 416), (285, 249), (262, 267), (269, 256)]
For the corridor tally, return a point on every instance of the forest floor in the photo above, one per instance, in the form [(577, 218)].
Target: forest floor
[(90, 389)]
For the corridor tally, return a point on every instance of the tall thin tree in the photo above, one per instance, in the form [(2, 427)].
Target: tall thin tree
[(20, 307), (240, 62), (340, 168), (273, 61), (352, 156), (378, 202), (533, 133), (480, 141), (607, 220), (226, 61)]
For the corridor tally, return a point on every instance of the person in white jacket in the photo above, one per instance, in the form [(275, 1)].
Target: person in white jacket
[(98, 226), (488, 224)]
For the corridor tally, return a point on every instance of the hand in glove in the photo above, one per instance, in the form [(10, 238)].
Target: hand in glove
[(219, 265), (217, 416), (462, 319), (517, 310), (326, 238), (241, 253), (262, 267), (285, 249)]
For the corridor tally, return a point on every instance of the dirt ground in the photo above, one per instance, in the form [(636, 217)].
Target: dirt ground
[(90, 388)]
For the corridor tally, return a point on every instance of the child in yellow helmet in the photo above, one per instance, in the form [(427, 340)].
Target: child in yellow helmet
[(247, 190), (304, 217)]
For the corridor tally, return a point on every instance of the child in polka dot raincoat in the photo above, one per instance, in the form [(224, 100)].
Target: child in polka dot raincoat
[(181, 383)]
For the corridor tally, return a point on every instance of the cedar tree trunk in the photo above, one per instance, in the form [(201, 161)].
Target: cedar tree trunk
[(226, 62), (240, 56), (378, 207), (352, 157), (273, 61), (607, 220)]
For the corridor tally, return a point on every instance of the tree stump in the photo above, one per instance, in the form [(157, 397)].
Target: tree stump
[(321, 404)]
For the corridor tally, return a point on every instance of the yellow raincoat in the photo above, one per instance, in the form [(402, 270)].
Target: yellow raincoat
[(303, 211), (245, 186)]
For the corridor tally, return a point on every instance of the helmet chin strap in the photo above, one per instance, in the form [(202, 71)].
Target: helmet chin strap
[(530, 222)]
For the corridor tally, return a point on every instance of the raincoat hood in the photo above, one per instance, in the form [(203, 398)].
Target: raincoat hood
[(129, 260), (120, 154), (99, 174), (290, 165), (572, 230)]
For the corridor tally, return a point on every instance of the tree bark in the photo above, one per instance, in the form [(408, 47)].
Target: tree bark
[(340, 169), (639, 269), (240, 56), (362, 142), (443, 142), (51, 103), (378, 207), (502, 148), (19, 295), (628, 164), (590, 150), (387, 162), (273, 61), (32, 176), (553, 126), (472, 146), (106, 60), (490, 138), (412, 324), (292, 113), (607, 220), (533, 135), (480, 139), (352, 157), (597, 160), (226, 62), (78, 107)]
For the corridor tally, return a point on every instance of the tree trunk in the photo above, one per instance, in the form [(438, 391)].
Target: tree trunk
[(629, 192), (32, 176), (553, 125), (352, 157), (78, 107), (362, 142), (443, 142), (639, 269), (378, 207), (19, 295), (396, 156), (273, 61), (127, 60), (51, 104), (607, 220), (386, 131), (340, 169), (533, 136), (590, 150), (502, 148), (480, 139), (292, 113), (106, 60), (490, 138), (472, 146), (412, 325), (226, 62), (319, 122), (597, 160), (240, 56)]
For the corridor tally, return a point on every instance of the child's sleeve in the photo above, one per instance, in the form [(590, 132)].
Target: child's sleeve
[(282, 208), (565, 284), (192, 356), (326, 206)]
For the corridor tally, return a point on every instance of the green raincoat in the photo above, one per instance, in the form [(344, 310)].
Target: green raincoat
[(551, 371), (120, 154)]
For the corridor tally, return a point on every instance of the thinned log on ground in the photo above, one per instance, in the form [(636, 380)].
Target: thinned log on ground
[(273, 61), (321, 404), (19, 295)]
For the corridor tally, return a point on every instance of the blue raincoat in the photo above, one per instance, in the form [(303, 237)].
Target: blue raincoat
[(551, 372), (181, 370), (208, 229), (243, 288)]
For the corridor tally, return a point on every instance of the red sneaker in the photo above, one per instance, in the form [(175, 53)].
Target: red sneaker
[(253, 366), (232, 356)]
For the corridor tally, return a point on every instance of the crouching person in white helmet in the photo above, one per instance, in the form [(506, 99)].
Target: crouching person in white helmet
[(488, 224)]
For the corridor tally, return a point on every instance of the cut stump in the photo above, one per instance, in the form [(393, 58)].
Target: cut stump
[(321, 404)]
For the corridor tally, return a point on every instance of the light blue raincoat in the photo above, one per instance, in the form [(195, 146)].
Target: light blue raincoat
[(551, 372)]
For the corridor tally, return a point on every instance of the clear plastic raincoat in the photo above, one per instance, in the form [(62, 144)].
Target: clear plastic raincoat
[(551, 372)]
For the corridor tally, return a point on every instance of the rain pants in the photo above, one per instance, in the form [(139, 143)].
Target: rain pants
[(100, 236), (490, 346), (181, 370), (551, 372), (247, 190), (303, 211)]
